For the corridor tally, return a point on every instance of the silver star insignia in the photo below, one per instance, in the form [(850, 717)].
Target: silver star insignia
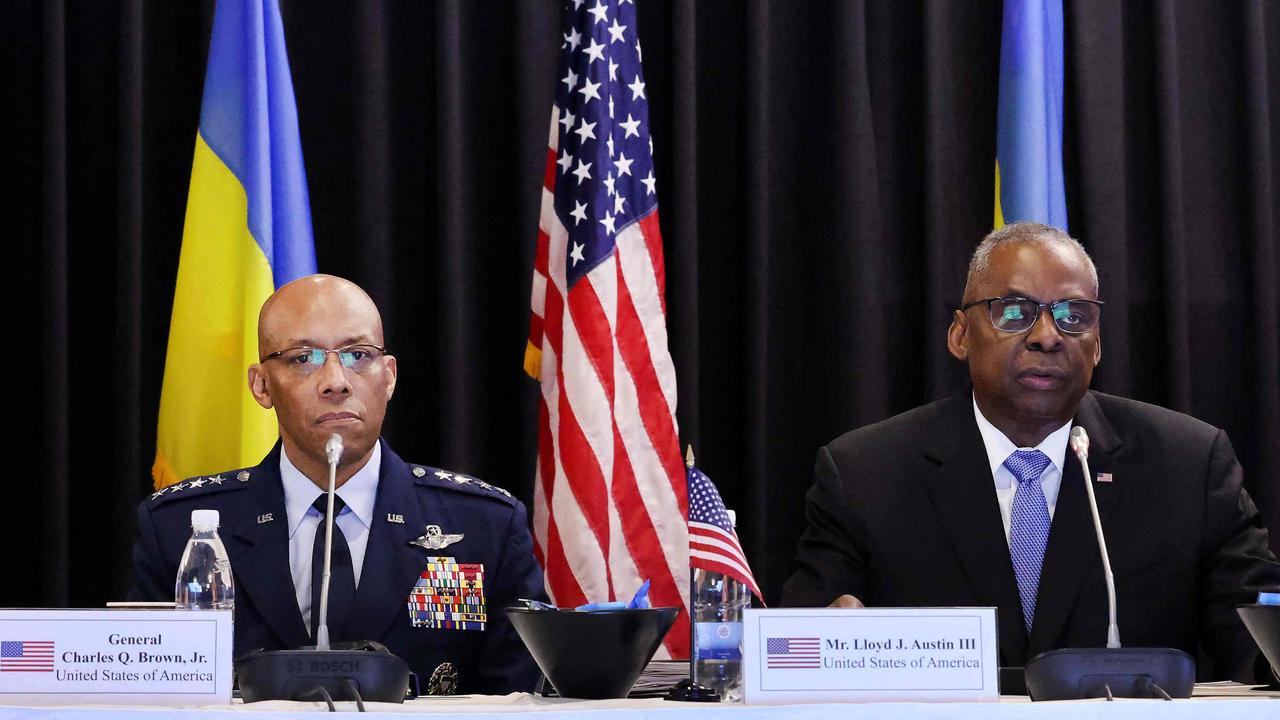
[(197, 482), (443, 475), (435, 539), (177, 487), (217, 479), (158, 493), (462, 479)]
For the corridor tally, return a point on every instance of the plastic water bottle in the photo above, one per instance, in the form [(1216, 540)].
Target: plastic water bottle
[(204, 575), (718, 602)]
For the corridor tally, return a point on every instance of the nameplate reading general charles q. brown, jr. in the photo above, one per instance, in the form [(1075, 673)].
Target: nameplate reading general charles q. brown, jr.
[(135, 657)]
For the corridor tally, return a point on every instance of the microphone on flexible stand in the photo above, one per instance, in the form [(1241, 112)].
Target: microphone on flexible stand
[(332, 452), (360, 670), (1113, 671), (1079, 443)]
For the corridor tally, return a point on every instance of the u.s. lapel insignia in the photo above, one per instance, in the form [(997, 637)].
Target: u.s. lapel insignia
[(444, 680), (265, 518), (435, 539), (1105, 477), (396, 518), (448, 596)]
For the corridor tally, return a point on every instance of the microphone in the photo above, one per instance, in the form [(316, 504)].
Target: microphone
[(332, 451), (354, 671), (1079, 443), (1113, 671)]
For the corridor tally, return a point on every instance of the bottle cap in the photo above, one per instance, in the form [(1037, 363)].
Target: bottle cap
[(204, 519), (733, 518)]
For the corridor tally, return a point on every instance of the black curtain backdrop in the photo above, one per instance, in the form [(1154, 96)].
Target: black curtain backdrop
[(824, 170)]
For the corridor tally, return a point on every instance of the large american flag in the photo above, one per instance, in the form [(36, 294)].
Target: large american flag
[(713, 543), (609, 503)]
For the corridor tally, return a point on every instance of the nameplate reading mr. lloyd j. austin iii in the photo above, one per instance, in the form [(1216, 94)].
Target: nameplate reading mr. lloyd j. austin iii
[(870, 654)]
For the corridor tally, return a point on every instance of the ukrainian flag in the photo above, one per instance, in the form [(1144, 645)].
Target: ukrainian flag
[(247, 231), (1029, 183)]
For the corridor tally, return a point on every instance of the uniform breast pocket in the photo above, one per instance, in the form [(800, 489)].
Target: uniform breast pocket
[(449, 595)]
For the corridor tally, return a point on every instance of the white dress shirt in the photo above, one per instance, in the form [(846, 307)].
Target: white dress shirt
[(359, 493), (1000, 447)]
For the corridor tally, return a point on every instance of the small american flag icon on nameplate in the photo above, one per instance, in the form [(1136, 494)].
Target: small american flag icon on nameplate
[(793, 652), (26, 656), (1104, 477)]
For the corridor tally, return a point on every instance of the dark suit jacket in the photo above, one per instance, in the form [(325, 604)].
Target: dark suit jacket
[(495, 533), (904, 513)]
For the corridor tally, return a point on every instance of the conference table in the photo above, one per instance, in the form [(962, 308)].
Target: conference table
[(1234, 703)]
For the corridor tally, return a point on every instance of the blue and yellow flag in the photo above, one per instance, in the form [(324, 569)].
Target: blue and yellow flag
[(247, 231), (1029, 183)]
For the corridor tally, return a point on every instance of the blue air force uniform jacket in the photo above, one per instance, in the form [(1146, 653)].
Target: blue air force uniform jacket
[(488, 657)]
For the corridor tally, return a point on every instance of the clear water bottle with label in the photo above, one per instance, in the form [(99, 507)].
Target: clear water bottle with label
[(204, 575), (718, 601)]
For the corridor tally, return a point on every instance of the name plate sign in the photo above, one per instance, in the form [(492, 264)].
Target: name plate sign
[(138, 657), (874, 654)]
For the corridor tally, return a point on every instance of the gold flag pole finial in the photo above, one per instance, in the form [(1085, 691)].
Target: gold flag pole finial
[(688, 456)]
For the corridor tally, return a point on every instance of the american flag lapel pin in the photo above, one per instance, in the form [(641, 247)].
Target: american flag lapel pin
[(1105, 477)]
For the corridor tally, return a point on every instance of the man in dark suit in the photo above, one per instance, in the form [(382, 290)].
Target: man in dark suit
[(976, 500), (425, 560)]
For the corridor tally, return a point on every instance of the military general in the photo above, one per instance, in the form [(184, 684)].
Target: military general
[(409, 541)]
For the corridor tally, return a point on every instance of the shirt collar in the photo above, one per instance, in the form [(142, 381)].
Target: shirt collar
[(1000, 447), (359, 491)]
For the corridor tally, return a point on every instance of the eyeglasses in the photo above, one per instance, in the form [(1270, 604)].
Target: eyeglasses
[(1018, 314), (306, 360)]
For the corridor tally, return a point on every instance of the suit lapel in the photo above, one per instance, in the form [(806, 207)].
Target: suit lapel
[(260, 553), (1071, 556), (391, 565), (964, 497)]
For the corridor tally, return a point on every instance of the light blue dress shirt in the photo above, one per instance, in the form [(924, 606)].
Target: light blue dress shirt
[(359, 493), (1000, 447)]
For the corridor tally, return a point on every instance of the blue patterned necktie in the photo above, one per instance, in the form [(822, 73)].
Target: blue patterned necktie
[(1028, 526)]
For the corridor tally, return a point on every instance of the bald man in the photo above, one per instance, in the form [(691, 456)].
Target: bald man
[(403, 533)]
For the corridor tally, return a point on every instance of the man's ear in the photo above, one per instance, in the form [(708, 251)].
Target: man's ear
[(958, 336), (1097, 351), (391, 375), (258, 385)]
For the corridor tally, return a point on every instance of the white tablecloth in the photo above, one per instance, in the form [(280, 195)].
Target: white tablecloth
[(504, 707)]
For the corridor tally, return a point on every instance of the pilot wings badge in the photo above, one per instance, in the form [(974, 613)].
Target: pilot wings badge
[(435, 539)]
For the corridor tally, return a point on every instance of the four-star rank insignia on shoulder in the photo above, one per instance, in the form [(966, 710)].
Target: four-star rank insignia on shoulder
[(458, 481), (197, 486), (448, 596)]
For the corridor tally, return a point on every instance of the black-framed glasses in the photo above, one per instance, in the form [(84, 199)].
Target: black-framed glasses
[(305, 359), (1073, 316)]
